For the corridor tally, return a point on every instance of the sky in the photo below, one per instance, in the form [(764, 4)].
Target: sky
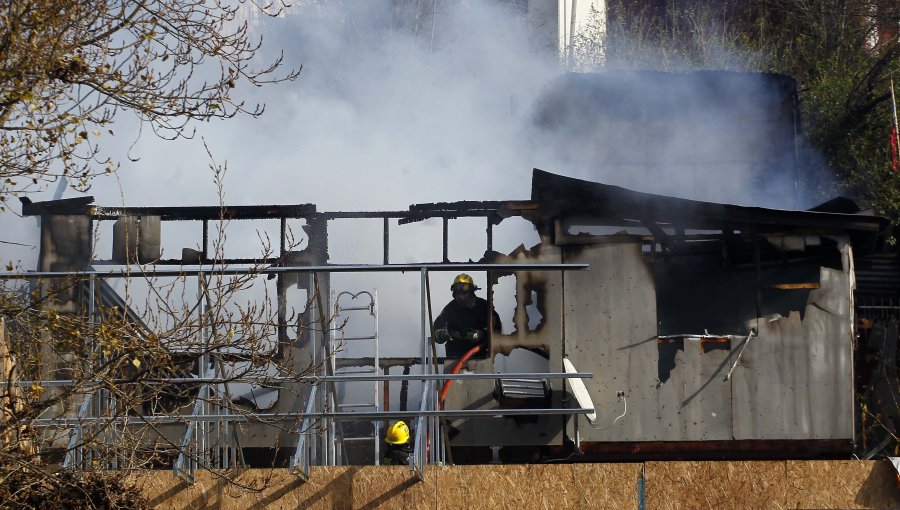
[(380, 118)]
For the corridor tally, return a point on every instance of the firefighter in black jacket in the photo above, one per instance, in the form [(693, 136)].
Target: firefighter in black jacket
[(399, 445), (465, 322)]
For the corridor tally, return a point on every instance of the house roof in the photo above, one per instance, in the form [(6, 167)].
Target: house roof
[(560, 196)]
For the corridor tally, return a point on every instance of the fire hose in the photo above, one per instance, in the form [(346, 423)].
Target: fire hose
[(449, 382)]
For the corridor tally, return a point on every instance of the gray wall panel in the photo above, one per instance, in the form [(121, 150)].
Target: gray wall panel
[(706, 408), (795, 380), (610, 329)]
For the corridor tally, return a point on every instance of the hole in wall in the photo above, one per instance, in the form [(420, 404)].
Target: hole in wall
[(535, 317), (521, 360), (505, 302)]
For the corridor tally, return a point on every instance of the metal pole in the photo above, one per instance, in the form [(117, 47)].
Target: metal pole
[(342, 378), (200, 431), (379, 386), (92, 284), (423, 284), (343, 415), (387, 238), (319, 361), (337, 268)]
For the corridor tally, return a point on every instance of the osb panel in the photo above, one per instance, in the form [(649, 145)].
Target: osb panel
[(328, 487), (606, 485), (715, 485), (513, 487), (392, 487), (669, 485), (842, 484)]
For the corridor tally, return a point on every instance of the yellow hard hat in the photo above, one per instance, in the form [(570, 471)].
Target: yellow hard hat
[(464, 283), (398, 433)]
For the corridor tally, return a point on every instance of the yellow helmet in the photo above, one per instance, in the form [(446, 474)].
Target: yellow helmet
[(398, 433), (464, 283)]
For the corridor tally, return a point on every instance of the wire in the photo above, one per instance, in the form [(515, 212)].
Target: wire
[(740, 353), (624, 412)]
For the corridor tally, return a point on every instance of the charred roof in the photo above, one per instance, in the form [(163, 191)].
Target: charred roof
[(561, 196)]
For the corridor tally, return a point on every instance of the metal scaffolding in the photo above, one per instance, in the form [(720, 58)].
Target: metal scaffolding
[(210, 439)]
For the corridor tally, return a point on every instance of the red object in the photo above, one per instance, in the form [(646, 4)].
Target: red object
[(895, 158), (471, 352)]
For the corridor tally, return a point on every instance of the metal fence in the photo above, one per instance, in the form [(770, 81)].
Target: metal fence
[(209, 438)]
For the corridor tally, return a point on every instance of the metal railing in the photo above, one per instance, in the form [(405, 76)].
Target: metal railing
[(419, 459), (302, 454), (74, 458), (190, 454), (195, 444)]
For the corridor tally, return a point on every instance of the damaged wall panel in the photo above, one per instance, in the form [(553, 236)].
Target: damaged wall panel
[(698, 292), (611, 326), (706, 406), (610, 330), (543, 340), (795, 380)]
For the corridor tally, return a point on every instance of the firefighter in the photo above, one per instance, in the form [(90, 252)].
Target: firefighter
[(465, 321), (399, 446)]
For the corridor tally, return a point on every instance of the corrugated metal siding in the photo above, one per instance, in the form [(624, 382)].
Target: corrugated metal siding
[(877, 275)]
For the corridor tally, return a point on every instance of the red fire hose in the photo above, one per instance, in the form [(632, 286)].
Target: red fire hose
[(449, 382)]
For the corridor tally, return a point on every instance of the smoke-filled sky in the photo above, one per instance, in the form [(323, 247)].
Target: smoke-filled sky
[(379, 119)]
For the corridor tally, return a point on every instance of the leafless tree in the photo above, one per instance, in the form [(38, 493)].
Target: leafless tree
[(126, 375), (71, 66)]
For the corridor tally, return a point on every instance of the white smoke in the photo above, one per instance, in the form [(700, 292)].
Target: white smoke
[(384, 115)]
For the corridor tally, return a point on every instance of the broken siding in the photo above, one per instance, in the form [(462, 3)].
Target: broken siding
[(611, 327), (795, 380), (610, 330), (706, 407), (477, 394)]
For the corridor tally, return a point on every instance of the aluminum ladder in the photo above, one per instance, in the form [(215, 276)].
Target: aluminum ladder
[(357, 313)]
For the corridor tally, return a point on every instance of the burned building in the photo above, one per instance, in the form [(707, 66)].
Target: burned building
[(697, 330)]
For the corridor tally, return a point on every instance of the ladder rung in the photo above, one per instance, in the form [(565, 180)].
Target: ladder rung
[(346, 308), (355, 405), (364, 438), (356, 338)]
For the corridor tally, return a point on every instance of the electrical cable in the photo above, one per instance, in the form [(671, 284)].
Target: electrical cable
[(624, 412)]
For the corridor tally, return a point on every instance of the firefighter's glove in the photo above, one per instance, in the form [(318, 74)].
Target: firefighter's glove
[(441, 336), (479, 335)]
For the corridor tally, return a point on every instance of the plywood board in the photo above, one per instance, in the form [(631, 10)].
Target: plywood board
[(505, 487), (328, 487), (842, 484), (715, 485), (668, 485), (607, 485), (392, 488)]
